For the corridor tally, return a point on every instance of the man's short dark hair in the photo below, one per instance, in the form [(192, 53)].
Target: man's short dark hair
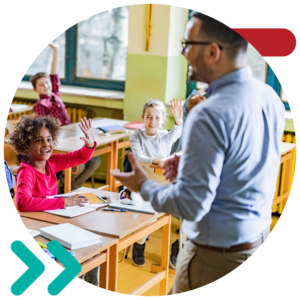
[(220, 33), (37, 76)]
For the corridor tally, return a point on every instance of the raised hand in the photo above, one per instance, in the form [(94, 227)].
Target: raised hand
[(134, 179), (89, 134), (54, 45), (76, 200), (55, 59), (176, 110), (170, 168)]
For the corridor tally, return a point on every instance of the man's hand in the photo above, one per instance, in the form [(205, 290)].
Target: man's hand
[(89, 134), (134, 179), (170, 168)]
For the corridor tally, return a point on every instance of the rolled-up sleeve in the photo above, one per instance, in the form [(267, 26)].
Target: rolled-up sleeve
[(55, 83)]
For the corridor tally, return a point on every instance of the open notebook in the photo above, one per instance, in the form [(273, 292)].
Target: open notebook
[(145, 207), (74, 211), (71, 236)]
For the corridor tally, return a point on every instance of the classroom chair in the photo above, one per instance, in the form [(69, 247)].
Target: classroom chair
[(10, 157)]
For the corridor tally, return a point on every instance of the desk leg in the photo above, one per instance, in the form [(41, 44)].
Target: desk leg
[(108, 167), (114, 162), (104, 272), (67, 180), (113, 268), (165, 253)]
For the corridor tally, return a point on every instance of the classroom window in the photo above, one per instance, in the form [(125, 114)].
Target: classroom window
[(44, 60), (102, 45), (93, 53)]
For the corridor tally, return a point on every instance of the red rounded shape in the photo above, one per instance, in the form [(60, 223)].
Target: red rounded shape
[(269, 41)]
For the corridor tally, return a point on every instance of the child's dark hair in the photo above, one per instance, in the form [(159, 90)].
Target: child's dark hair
[(37, 76), (28, 128)]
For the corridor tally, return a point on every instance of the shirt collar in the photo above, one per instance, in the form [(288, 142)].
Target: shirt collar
[(45, 97), (240, 75)]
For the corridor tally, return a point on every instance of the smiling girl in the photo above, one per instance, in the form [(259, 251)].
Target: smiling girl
[(150, 146), (36, 177)]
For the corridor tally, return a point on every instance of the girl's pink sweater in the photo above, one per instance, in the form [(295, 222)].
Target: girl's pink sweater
[(33, 186)]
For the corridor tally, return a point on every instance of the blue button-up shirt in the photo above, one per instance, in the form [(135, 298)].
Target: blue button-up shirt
[(227, 174)]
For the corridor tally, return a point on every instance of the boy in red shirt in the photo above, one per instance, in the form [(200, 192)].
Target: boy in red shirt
[(49, 103)]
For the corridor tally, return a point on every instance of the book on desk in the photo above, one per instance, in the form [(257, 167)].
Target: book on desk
[(135, 125), (33, 233), (71, 236), (112, 129)]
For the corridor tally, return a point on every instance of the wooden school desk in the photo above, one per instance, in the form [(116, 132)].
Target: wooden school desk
[(158, 169), (18, 110), (127, 227), (89, 257), (69, 141)]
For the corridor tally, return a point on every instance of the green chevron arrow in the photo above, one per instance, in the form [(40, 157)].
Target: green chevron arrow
[(72, 268), (35, 268)]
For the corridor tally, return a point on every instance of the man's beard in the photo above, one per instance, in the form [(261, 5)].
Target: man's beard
[(202, 74)]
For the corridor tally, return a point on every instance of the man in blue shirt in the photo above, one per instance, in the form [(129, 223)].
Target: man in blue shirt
[(225, 180)]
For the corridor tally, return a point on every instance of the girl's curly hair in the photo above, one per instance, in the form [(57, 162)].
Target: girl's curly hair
[(28, 128)]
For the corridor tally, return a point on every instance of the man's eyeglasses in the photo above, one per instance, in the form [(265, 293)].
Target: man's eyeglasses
[(185, 43)]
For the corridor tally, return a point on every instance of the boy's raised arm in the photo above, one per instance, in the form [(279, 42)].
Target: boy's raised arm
[(55, 58)]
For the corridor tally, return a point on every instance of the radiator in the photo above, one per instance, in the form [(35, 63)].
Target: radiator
[(75, 113)]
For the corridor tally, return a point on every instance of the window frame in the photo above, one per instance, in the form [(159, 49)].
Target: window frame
[(70, 68)]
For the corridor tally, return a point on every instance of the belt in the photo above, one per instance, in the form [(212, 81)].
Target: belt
[(241, 247)]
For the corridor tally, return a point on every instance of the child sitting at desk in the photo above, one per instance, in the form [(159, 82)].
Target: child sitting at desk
[(36, 177), (50, 104), (150, 146)]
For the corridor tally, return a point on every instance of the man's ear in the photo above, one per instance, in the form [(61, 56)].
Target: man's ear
[(34, 89), (142, 117), (213, 53)]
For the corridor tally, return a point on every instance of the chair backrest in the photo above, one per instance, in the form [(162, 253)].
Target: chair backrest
[(11, 158)]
